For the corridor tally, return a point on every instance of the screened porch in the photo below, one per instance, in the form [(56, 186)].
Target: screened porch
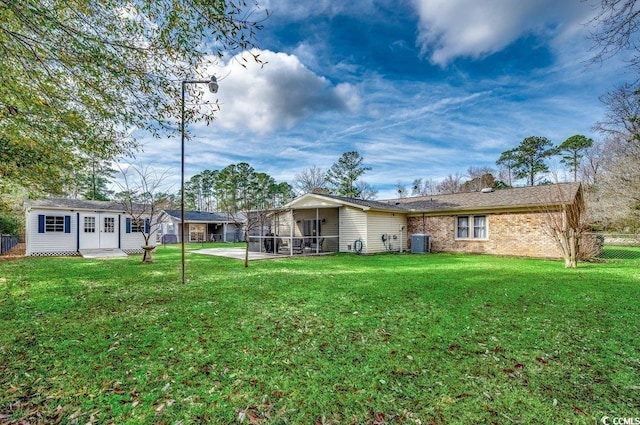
[(299, 231)]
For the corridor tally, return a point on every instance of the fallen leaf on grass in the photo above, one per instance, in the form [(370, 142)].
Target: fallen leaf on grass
[(579, 411)]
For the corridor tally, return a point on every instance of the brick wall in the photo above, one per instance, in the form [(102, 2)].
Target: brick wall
[(520, 234)]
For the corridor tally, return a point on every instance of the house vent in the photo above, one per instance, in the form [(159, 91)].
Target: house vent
[(487, 190)]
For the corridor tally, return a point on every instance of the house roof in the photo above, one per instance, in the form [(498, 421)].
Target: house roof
[(318, 200), (75, 204), (504, 199), (201, 216), (513, 198)]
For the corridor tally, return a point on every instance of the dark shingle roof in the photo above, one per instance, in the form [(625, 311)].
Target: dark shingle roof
[(76, 204), (519, 197), (209, 217), (379, 205)]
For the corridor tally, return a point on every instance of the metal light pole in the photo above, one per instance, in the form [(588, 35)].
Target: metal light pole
[(213, 88)]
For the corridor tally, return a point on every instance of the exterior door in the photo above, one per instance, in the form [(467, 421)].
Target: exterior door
[(98, 231), (109, 231), (89, 231)]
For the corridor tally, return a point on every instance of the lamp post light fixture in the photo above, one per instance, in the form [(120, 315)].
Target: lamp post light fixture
[(213, 88)]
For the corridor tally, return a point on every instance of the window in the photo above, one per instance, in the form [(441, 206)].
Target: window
[(464, 223), (463, 227), (54, 223), (479, 227), (137, 226), (89, 224), (109, 225)]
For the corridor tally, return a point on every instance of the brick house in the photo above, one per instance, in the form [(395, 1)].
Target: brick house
[(502, 222)]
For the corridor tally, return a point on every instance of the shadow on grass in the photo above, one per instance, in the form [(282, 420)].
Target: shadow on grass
[(620, 253)]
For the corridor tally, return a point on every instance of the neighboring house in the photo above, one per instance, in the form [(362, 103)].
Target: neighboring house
[(503, 222), (199, 226), (66, 226)]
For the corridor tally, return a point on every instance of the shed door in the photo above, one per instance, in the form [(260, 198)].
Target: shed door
[(89, 231), (98, 231), (109, 231)]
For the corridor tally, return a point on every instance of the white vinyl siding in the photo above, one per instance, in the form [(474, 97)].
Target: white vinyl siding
[(353, 227), (50, 243), (388, 224)]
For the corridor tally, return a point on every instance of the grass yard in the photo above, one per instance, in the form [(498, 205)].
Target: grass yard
[(341, 339)]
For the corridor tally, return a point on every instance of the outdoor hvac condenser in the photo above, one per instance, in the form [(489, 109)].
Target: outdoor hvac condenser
[(419, 243)]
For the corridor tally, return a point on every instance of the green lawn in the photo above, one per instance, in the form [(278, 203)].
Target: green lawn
[(416, 339)]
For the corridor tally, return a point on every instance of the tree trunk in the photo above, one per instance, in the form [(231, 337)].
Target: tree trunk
[(246, 250)]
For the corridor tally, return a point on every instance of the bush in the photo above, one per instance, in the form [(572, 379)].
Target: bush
[(591, 245), (10, 223)]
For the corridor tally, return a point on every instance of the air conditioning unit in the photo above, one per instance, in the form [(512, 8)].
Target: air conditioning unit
[(419, 243)]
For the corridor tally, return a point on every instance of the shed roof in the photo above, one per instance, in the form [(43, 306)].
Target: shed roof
[(75, 204)]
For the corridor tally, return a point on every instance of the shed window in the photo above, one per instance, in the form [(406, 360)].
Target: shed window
[(471, 227), (54, 223), (89, 224), (109, 225), (137, 226)]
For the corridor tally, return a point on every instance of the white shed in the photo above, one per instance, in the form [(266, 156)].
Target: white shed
[(56, 227)]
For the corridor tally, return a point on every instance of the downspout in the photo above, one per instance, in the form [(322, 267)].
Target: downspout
[(78, 231), (424, 229)]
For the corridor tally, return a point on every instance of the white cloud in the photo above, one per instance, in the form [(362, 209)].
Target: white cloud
[(449, 29), (261, 98)]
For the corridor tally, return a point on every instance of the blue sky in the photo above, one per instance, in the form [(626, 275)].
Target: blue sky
[(421, 88)]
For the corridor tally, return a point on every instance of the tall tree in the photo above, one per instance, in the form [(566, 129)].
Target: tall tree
[(508, 161), (592, 164), (365, 191), (616, 25), (479, 178), (311, 180), (530, 158), (622, 119), (421, 187), (450, 184), (344, 174), (77, 76), (401, 189), (572, 151), (249, 197)]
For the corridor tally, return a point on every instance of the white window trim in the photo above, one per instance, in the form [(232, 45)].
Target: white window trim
[(470, 221), (53, 227), (89, 225)]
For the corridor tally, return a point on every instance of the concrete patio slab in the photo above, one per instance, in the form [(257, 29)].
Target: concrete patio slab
[(103, 253), (236, 253)]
